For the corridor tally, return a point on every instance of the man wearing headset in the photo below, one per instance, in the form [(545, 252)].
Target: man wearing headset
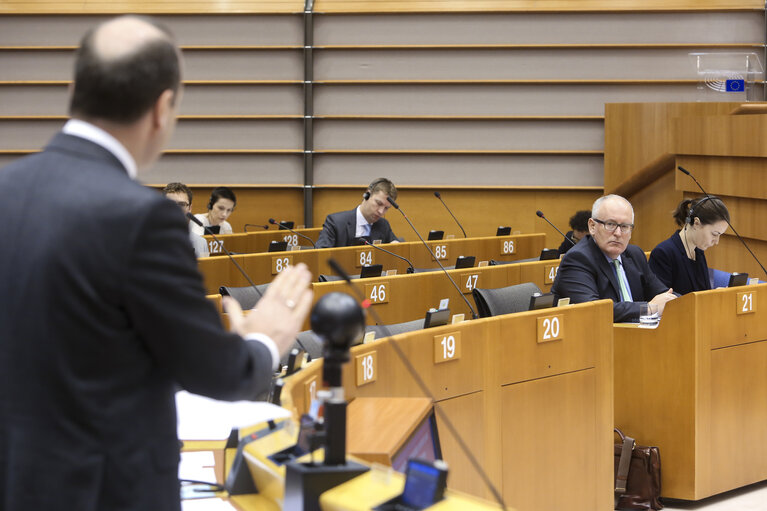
[(367, 220)]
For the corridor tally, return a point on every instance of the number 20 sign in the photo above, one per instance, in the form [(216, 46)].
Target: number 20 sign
[(551, 328)]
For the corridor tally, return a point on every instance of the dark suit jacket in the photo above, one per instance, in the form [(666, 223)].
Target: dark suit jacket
[(102, 317), (585, 275), (671, 265), (339, 228)]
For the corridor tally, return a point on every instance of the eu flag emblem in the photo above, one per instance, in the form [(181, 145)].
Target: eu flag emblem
[(735, 85)]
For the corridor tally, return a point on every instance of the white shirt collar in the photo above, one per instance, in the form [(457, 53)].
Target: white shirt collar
[(88, 131), (359, 230)]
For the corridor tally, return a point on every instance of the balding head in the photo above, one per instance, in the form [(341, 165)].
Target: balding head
[(122, 68)]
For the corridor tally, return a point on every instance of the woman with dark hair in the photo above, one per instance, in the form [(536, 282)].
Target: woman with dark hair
[(220, 206), (679, 262)]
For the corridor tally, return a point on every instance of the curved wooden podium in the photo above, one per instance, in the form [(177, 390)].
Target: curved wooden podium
[(697, 387)]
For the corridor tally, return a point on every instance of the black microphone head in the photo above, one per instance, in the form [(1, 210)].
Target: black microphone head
[(539, 213), (338, 320), (684, 170), (272, 221), (437, 195), (194, 219), (391, 201)]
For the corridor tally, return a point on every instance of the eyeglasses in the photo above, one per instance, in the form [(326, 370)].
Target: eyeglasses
[(182, 204), (611, 226)]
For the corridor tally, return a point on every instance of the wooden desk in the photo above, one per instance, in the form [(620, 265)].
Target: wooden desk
[(538, 416), (408, 296), (257, 242), (219, 271), (697, 388)]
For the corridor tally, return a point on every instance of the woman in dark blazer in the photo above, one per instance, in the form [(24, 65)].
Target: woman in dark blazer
[(679, 262)]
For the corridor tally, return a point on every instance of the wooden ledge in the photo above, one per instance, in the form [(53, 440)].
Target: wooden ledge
[(646, 176)]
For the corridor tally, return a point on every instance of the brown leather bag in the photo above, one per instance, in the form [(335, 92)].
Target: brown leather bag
[(637, 475)]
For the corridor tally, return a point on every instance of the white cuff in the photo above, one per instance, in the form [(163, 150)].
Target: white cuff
[(269, 343)]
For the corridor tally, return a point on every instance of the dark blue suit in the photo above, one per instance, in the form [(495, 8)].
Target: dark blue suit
[(671, 265), (102, 317), (584, 275), (339, 230)]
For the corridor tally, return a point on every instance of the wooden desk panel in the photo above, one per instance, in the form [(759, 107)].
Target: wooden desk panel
[(259, 266), (696, 388), (258, 242), (543, 441)]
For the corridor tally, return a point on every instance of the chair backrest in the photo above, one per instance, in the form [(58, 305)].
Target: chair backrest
[(246, 296), (504, 300), (396, 328), (307, 341)]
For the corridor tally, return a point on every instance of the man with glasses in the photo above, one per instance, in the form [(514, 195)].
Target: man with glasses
[(604, 265), (182, 196)]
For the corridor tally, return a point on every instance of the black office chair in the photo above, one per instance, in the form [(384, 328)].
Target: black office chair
[(397, 328), (504, 300), (246, 296), (308, 342)]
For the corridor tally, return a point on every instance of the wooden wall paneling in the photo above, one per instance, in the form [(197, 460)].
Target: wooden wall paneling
[(727, 176), (731, 256), (637, 133), (720, 135), (653, 207)]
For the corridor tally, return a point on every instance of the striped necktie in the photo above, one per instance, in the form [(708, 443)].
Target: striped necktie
[(621, 281)]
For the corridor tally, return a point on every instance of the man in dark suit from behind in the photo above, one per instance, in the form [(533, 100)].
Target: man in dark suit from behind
[(365, 221), (102, 310), (604, 265)]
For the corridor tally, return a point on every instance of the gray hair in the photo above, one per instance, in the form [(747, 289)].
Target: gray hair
[(598, 204)]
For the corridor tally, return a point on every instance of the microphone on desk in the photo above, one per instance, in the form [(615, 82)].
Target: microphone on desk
[(460, 293), (281, 224), (265, 227), (221, 244), (409, 270), (437, 195), (194, 219), (339, 270), (687, 172), (540, 214)]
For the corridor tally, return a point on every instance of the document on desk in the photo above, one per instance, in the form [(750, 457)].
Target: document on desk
[(202, 418)]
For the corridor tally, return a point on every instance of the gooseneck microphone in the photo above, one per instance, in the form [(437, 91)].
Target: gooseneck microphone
[(221, 244), (194, 219), (437, 195), (274, 222), (540, 214), (460, 293), (687, 172), (419, 381), (409, 270), (265, 227)]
